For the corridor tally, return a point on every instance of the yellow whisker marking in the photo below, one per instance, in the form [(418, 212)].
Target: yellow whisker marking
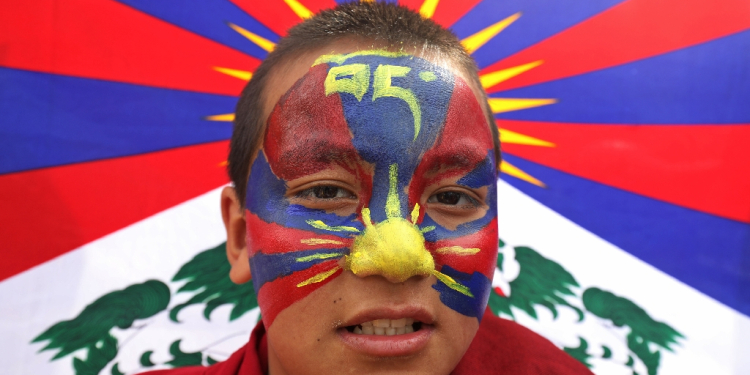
[(320, 241), (511, 170), (229, 117), (500, 105), (427, 229), (300, 10), (427, 10), (491, 79), (236, 73), (447, 280), (457, 250), (473, 42), (318, 278), (260, 41), (321, 225), (318, 256), (415, 214), (507, 136)]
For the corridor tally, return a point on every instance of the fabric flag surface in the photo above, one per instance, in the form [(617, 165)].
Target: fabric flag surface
[(624, 205)]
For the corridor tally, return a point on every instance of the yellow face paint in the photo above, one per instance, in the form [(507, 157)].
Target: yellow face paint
[(394, 248)]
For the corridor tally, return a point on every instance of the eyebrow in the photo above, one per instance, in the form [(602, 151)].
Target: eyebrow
[(304, 158), (462, 157)]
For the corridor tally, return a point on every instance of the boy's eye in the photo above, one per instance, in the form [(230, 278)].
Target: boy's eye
[(453, 198), (326, 192)]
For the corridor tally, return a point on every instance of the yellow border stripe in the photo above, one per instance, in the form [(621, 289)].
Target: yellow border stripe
[(229, 117), (511, 170), (260, 41), (427, 10), (241, 74), (300, 10), (507, 136), (473, 42), (491, 79), (500, 105)]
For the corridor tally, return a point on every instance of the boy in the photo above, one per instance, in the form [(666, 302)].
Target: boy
[(364, 162)]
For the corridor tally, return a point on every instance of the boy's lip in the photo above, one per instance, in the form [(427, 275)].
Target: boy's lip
[(417, 313), (389, 346)]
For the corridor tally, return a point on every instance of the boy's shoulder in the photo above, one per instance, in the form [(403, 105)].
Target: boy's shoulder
[(500, 346), (503, 346)]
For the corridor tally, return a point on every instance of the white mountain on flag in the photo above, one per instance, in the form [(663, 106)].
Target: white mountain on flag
[(156, 295)]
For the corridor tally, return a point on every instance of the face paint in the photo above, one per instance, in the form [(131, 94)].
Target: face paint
[(400, 125)]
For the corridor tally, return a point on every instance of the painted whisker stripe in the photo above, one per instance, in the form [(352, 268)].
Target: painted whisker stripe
[(318, 278), (277, 295), (319, 256), (266, 268), (457, 250), (320, 241), (319, 224)]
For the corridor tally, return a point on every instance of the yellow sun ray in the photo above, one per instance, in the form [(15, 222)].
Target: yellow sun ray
[(300, 10), (473, 42), (415, 213), (320, 241), (457, 250), (491, 79), (427, 10), (228, 117), (241, 74), (260, 41), (318, 256), (318, 278), (427, 229), (318, 224), (507, 136), (500, 105), (224, 163), (447, 280), (511, 170)]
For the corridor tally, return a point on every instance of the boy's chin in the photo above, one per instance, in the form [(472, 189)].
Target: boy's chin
[(376, 328)]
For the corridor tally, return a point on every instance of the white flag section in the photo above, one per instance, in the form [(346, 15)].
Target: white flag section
[(115, 306)]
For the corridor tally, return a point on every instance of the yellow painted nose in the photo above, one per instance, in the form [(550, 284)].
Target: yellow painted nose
[(393, 248)]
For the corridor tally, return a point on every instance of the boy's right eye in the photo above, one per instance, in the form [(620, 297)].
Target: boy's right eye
[(326, 192)]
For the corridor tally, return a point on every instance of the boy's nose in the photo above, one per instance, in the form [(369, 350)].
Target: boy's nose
[(393, 248)]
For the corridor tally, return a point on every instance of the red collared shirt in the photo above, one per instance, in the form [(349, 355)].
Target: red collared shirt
[(501, 346)]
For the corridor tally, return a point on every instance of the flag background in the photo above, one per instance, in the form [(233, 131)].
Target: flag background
[(624, 125)]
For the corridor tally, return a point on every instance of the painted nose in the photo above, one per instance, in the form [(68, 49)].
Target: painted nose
[(393, 248)]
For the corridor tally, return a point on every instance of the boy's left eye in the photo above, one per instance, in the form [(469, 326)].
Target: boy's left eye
[(453, 198)]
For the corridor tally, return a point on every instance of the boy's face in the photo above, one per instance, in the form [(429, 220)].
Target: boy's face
[(372, 201)]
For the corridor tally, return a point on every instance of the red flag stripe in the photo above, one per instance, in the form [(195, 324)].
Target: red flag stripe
[(49, 212), (703, 167), (611, 39), (108, 40)]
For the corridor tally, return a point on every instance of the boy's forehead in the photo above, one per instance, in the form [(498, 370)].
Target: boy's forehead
[(283, 76), (383, 108)]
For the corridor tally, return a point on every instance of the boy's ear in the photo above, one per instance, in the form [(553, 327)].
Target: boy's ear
[(233, 215)]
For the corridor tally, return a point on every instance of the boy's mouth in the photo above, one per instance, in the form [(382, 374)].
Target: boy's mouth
[(386, 327)]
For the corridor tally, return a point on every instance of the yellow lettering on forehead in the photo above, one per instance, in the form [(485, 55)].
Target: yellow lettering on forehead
[(382, 88), (356, 85)]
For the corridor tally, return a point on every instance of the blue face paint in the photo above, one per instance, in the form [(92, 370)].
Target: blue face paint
[(397, 123)]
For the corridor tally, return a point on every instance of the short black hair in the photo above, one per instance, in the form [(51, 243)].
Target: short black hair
[(393, 26)]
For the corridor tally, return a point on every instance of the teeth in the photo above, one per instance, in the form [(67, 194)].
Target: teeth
[(386, 327)]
